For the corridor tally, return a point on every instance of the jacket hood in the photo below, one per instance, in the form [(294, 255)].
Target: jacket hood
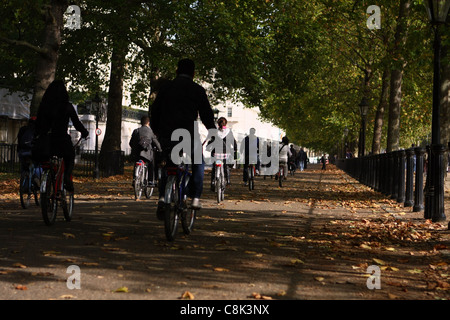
[(222, 134)]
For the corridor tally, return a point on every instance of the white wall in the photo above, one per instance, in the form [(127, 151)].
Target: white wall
[(128, 125)]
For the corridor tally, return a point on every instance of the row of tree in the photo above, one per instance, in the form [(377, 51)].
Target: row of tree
[(305, 64)]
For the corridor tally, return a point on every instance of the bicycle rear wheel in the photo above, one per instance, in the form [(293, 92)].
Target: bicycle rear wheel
[(281, 177), (251, 178), (24, 190), (48, 198), (68, 203), (170, 209)]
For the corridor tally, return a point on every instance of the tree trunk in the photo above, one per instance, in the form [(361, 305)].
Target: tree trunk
[(395, 99), (110, 161), (48, 56), (445, 96), (379, 117), (395, 102)]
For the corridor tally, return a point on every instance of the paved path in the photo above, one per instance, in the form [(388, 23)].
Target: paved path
[(312, 239)]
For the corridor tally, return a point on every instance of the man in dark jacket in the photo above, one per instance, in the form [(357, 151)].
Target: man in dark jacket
[(142, 141), (178, 105)]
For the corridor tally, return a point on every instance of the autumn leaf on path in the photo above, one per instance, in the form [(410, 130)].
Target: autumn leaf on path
[(260, 296), (187, 296), (121, 289), (21, 287)]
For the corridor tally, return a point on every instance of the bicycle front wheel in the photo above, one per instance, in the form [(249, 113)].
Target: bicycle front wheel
[(188, 219), (24, 190), (48, 198), (170, 209)]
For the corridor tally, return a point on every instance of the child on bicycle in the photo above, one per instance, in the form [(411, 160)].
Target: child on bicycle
[(227, 150), (142, 141)]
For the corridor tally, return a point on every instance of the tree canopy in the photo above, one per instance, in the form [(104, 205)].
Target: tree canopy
[(305, 64)]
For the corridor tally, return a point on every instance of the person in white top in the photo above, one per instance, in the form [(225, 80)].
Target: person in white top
[(284, 154)]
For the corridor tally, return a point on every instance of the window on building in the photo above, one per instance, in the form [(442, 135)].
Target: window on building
[(229, 112)]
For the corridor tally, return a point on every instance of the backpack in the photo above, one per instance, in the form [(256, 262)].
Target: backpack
[(26, 142), (138, 143)]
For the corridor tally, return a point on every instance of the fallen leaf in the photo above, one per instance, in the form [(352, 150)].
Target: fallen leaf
[(67, 296), (319, 278), (187, 296), (297, 261), (19, 265), (379, 261), (389, 268), (415, 271), (21, 287), (68, 235), (121, 289), (221, 270), (392, 296)]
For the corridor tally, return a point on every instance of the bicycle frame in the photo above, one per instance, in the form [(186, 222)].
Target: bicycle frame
[(57, 166), (182, 175)]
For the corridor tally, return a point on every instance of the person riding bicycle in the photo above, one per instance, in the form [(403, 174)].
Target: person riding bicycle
[(291, 159), (53, 116), (250, 150), (226, 152), (178, 105), (142, 142), (284, 154), (24, 145)]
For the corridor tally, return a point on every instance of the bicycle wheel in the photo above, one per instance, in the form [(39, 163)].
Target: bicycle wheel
[(188, 219), (48, 198), (67, 205), (148, 189), (35, 189), (222, 185), (24, 190), (170, 209), (218, 184), (251, 179), (138, 181)]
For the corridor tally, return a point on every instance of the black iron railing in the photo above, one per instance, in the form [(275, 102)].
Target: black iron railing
[(398, 175)]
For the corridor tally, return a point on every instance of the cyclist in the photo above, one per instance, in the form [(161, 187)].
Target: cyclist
[(53, 115), (24, 142), (284, 155), (250, 149), (142, 142), (178, 105), (292, 157), (229, 147)]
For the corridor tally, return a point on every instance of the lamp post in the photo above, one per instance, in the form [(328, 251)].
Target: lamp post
[(216, 114), (437, 13), (363, 108), (96, 109)]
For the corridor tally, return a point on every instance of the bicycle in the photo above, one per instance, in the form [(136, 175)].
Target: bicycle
[(280, 174), (140, 181), (175, 206), (53, 190), (219, 182), (28, 186)]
